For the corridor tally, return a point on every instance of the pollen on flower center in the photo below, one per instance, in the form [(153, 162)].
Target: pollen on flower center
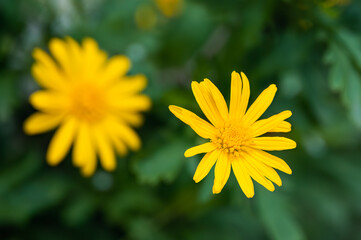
[(87, 102), (232, 138)]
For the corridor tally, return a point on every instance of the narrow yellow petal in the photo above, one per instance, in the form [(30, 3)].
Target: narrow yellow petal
[(116, 68), (258, 177), (129, 85), (59, 49), (263, 169), (61, 141), (46, 72), (282, 127), (42, 122), (203, 148), (236, 96), (43, 58), (75, 53), (132, 103), (262, 126), (105, 150), (48, 101), (243, 178), (84, 149), (94, 59), (261, 104), (218, 98), (273, 143), (245, 95), (205, 165), (119, 145), (221, 172), (89, 168), (207, 105), (117, 140), (200, 126), (132, 118), (270, 160), (123, 132)]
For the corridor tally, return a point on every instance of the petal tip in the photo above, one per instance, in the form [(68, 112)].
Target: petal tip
[(52, 161), (273, 87), (196, 179), (249, 195), (216, 191)]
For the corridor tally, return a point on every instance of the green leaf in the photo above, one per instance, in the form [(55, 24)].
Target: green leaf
[(31, 197), (12, 175), (275, 212), (163, 164), (345, 78), (80, 208)]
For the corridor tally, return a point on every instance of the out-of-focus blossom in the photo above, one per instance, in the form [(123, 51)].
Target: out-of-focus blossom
[(91, 101)]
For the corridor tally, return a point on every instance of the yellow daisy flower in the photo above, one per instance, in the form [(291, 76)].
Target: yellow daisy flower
[(91, 101), (235, 135)]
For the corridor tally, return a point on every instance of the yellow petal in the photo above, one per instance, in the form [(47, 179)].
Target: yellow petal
[(270, 160), (207, 104), (116, 68), (131, 103), (258, 177), (123, 132), (218, 98), (46, 72), (221, 172), (282, 127), (245, 95), (273, 143), (200, 126), (44, 59), (89, 168), (129, 85), (236, 96), (203, 148), (48, 101), (61, 141), (76, 55), (243, 178), (261, 104), (84, 148), (132, 118), (105, 150), (59, 49), (119, 145), (205, 165), (42, 122), (263, 169), (262, 126), (94, 59)]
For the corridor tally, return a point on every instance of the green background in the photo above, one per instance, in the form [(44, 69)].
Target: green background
[(309, 49)]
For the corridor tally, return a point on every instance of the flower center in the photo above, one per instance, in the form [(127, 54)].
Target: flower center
[(88, 102), (232, 138)]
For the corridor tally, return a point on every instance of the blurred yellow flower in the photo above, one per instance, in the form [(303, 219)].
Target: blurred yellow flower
[(235, 135), (146, 17), (170, 8), (90, 99)]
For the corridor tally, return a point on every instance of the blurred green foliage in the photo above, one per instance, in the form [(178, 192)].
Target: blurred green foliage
[(310, 49)]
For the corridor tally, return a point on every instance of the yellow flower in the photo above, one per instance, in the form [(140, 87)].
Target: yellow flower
[(91, 101), (170, 8), (235, 135)]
